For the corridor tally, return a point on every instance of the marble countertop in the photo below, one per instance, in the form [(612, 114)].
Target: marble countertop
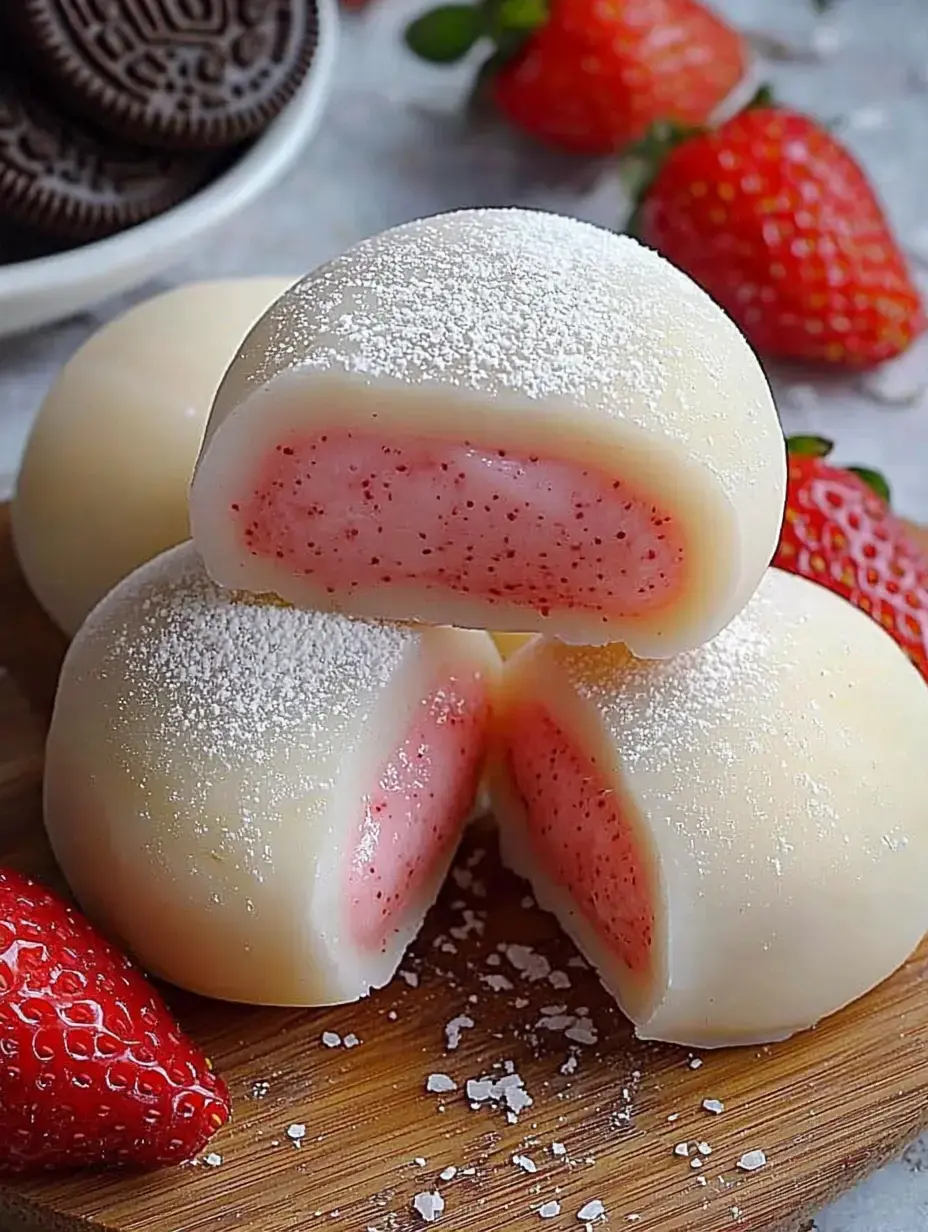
[(393, 147)]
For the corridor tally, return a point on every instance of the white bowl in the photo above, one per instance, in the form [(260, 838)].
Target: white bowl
[(36, 292)]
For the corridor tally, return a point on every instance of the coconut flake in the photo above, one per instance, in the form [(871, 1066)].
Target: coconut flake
[(212, 1160), (331, 1039), (296, 1133), (682, 1149), (351, 1040), (591, 1211), (550, 1210), (715, 1106), (448, 1174)]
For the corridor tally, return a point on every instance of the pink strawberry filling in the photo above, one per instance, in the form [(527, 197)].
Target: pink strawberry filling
[(583, 835), (412, 817), (350, 510)]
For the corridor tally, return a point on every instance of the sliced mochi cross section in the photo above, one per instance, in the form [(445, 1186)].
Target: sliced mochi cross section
[(260, 802), (737, 837), (497, 419)]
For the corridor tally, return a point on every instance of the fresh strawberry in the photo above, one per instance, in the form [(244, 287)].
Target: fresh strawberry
[(775, 219), (591, 76), (839, 531), (94, 1071)]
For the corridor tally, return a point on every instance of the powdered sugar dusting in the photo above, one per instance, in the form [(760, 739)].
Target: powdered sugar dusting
[(526, 304), (217, 687)]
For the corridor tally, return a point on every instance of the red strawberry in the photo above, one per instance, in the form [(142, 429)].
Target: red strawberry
[(94, 1071), (592, 75), (775, 219), (840, 531)]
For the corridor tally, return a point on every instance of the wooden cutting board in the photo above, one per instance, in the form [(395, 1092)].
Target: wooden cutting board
[(825, 1108)]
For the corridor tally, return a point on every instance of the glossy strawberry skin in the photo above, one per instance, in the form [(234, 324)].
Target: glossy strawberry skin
[(94, 1071), (775, 219), (839, 533), (598, 73)]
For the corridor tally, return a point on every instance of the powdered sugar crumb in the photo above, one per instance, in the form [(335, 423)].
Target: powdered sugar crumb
[(331, 1039), (549, 1210), (591, 1211)]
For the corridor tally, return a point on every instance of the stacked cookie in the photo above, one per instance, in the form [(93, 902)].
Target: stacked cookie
[(112, 114), (509, 421)]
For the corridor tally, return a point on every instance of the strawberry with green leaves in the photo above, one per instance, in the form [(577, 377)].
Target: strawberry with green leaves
[(590, 76), (94, 1071), (778, 223), (840, 531)]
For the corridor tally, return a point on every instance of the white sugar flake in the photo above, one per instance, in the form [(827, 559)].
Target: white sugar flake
[(752, 1161), (428, 1205), (453, 1029), (440, 1084)]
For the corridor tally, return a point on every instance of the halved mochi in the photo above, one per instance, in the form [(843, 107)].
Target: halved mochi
[(261, 803), (497, 419), (737, 838)]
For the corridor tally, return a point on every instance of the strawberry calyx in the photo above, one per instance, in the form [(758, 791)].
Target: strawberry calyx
[(641, 164), (821, 447), (448, 33), (809, 446)]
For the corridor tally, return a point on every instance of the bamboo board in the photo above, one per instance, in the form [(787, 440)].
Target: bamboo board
[(825, 1108)]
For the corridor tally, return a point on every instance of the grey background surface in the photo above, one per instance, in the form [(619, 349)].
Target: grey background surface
[(392, 147)]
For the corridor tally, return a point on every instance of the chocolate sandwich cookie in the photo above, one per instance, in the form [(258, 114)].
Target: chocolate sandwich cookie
[(175, 74), (61, 178)]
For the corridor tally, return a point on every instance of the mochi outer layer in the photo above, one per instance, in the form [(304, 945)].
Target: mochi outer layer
[(261, 803), (737, 838), (105, 476), (497, 419)]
